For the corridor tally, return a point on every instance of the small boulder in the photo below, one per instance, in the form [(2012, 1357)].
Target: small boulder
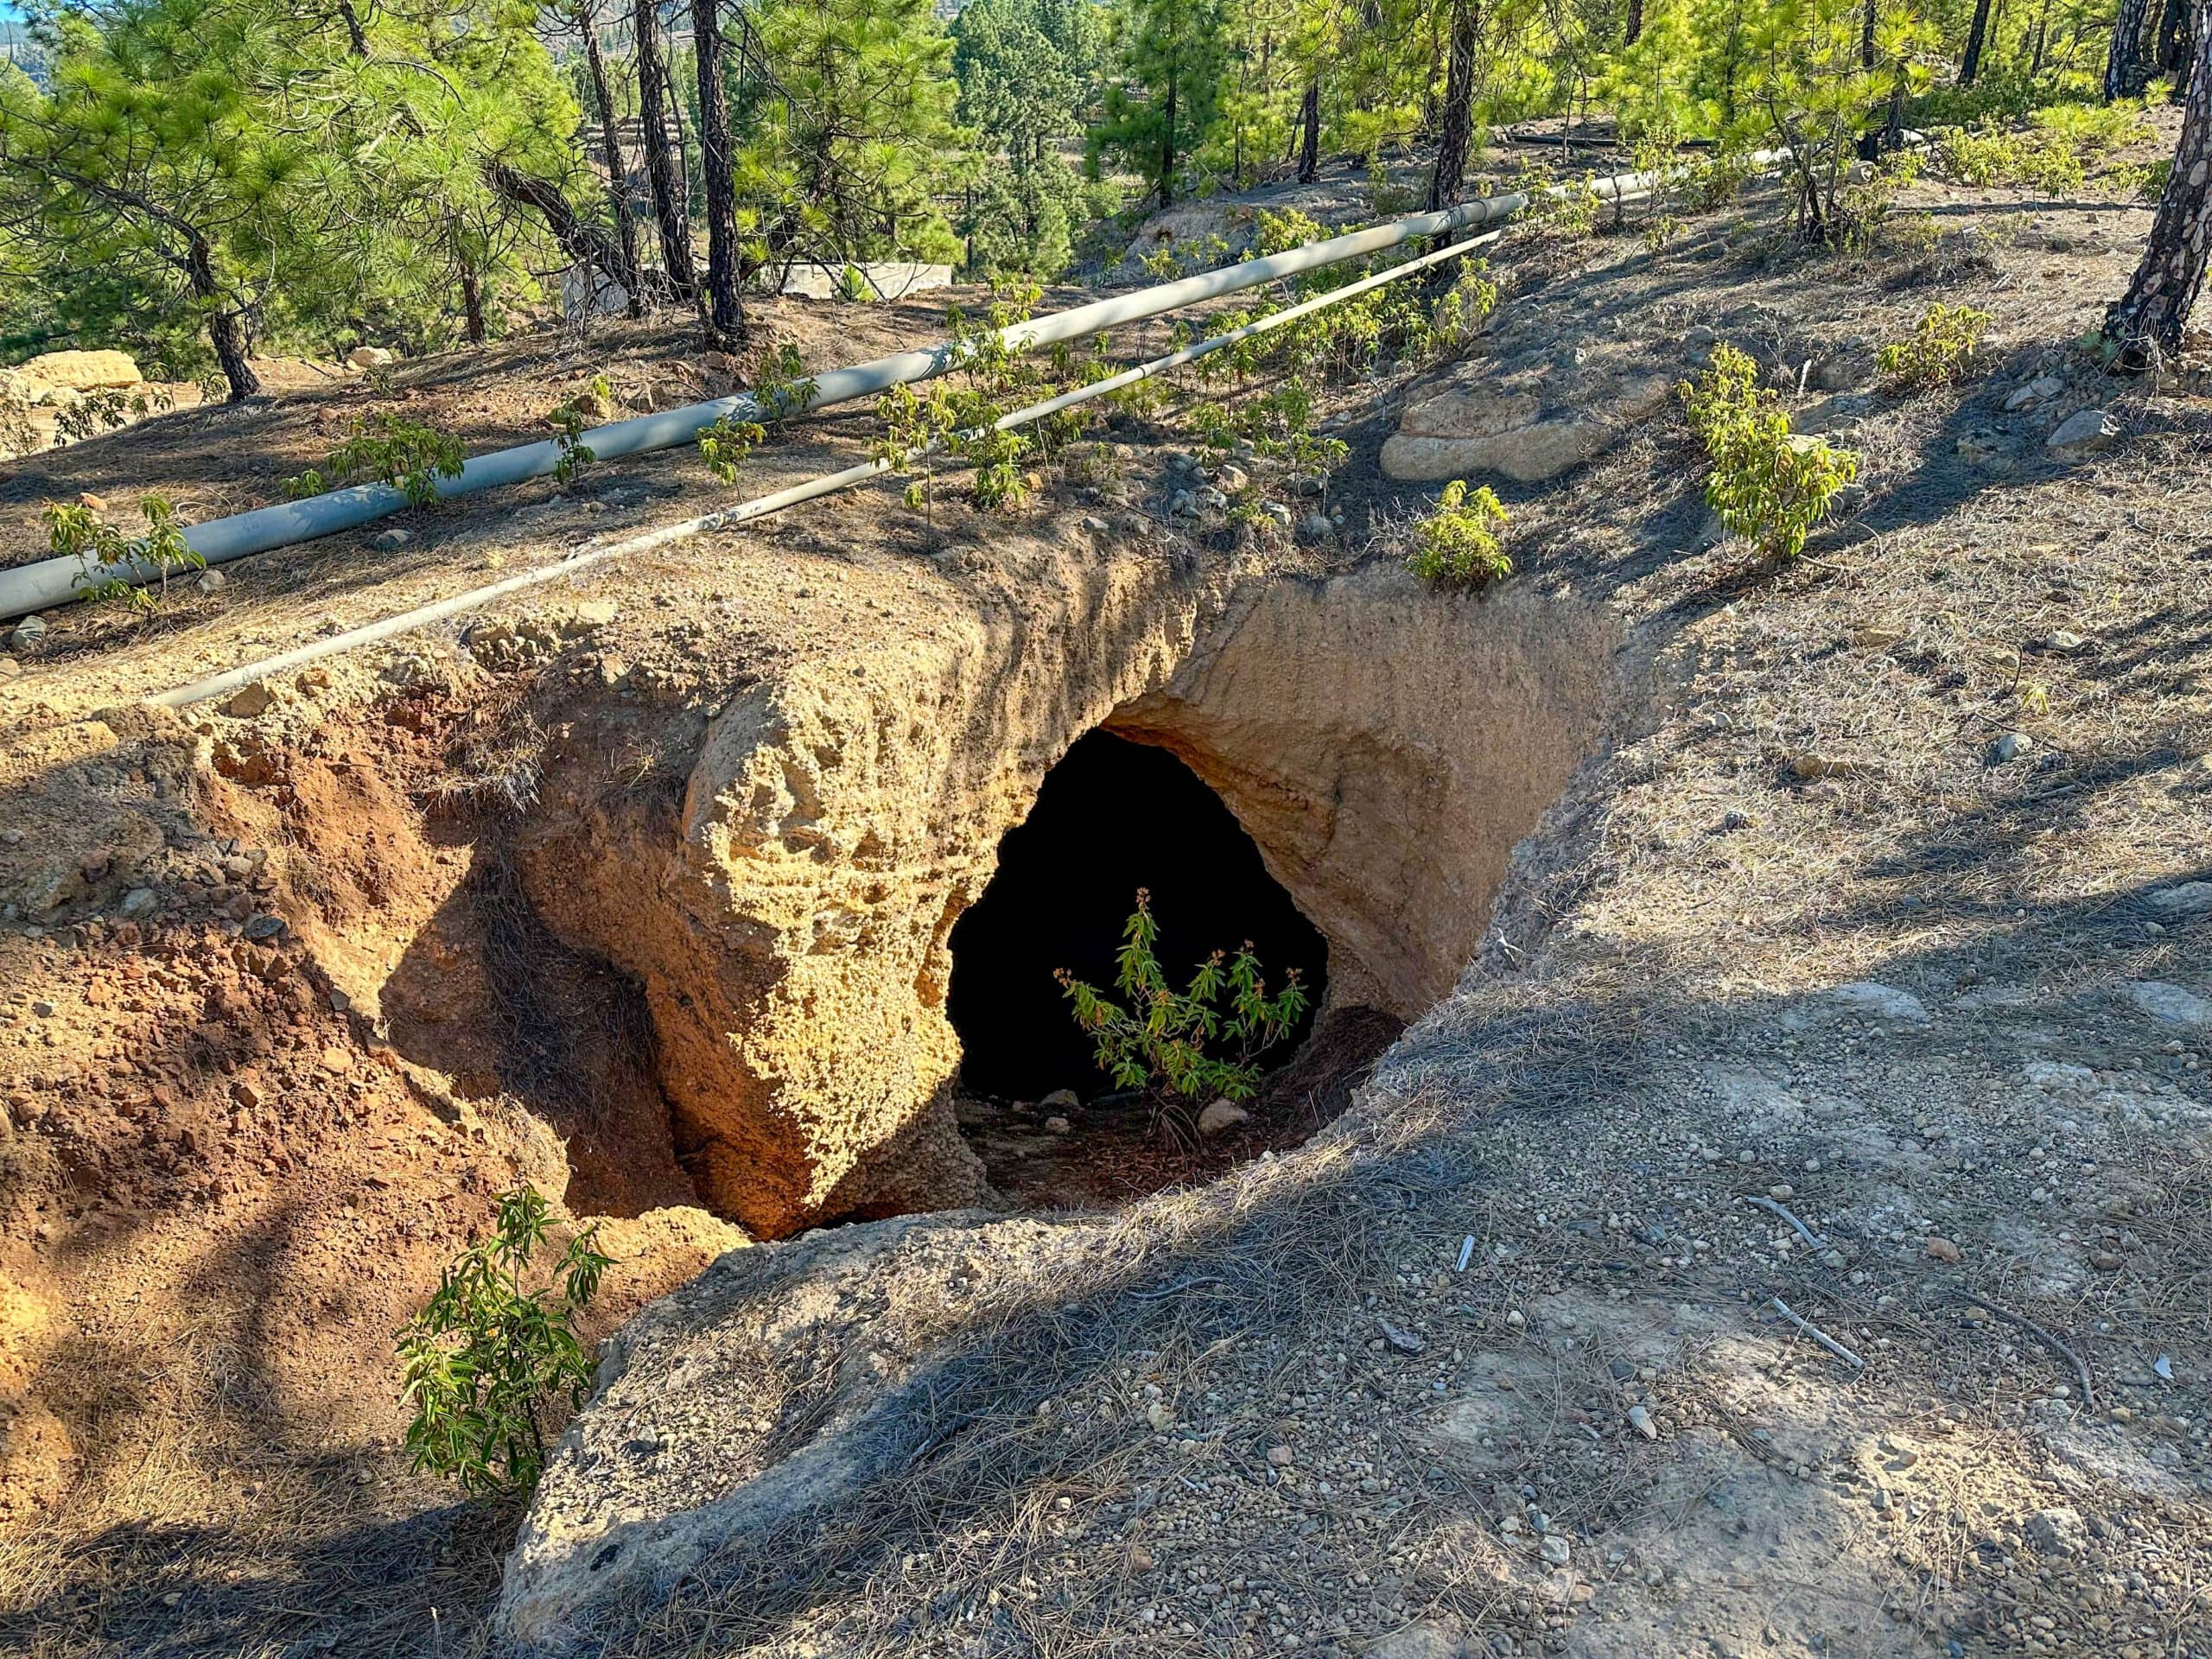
[(211, 582), (1315, 528), (249, 701), (391, 541), (1061, 1100), (2059, 1531), (2085, 432), (29, 634), (1221, 1116), (2169, 1004), (2190, 899), (1943, 1250), (369, 357), (2010, 747), (2041, 390)]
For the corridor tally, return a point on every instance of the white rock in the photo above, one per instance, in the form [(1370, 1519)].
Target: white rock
[(2170, 1004), (1221, 1116), (2041, 390), (1885, 1001), (368, 357), (391, 541), (1557, 1550), (2083, 433)]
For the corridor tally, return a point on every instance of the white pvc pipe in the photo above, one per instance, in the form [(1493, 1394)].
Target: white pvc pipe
[(55, 581), (216, 685)]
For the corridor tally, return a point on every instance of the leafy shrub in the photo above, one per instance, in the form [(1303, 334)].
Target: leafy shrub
[(781, 389), (1164, 1036), (101, 409), (79, 532), (389, 449), (1940, 350), (1456, 545), (484, 1358), (1767, 483), (571, 421)]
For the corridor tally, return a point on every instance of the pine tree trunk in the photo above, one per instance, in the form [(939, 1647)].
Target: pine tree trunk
[(2146, 325), (617, 175), (1168, 142), (725, 311), (472, 306), (671, 190), (1450, 172), (2123, 62), (1634, 32), (226, 331), (2176, 54), (1977, 35), (1309, 131)]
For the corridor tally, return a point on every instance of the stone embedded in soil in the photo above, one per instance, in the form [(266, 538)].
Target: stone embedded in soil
[(2085, 432), (2169, 1004), (1942, 1249), (1221, 1116), (251, 700), (2190, 899)]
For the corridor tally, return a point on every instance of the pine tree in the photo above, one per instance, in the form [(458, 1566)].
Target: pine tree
[(2146, 325), (1165, 95)]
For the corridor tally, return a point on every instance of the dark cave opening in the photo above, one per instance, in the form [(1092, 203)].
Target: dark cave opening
[(1111, 817)]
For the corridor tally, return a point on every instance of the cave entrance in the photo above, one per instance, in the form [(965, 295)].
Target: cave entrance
[(1112, 817)]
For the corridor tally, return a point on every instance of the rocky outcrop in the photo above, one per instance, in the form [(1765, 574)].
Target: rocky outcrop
[(1387, 803), (788, 918), (1526, 412), (787, 915)]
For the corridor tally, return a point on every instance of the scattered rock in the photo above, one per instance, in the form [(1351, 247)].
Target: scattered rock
[(391, 541), (264, 926), (2085, 432), (2106, 1261), (249, 701), (2041, 390), (1556, 1549), (1281, 1457), (1221, 1116), (1316, 527), (2057, 1532), (369, 357), (1885, 1001), (29, 634), (1942, 1249), (2060, 642), (211, 582), (2011, 746), (1811, 766), (1059, 1099), (336, 1061), (1400, 1339), (1058, 1126), (2190, 899), (1230, 480), (1639, 1418), (2170, 1004)]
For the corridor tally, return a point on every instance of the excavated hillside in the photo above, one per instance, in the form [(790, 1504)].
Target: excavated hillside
[(1783, 1225)]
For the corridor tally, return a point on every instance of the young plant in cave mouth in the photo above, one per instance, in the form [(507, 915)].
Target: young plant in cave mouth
[(1165, 1036), (481, 1363)]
